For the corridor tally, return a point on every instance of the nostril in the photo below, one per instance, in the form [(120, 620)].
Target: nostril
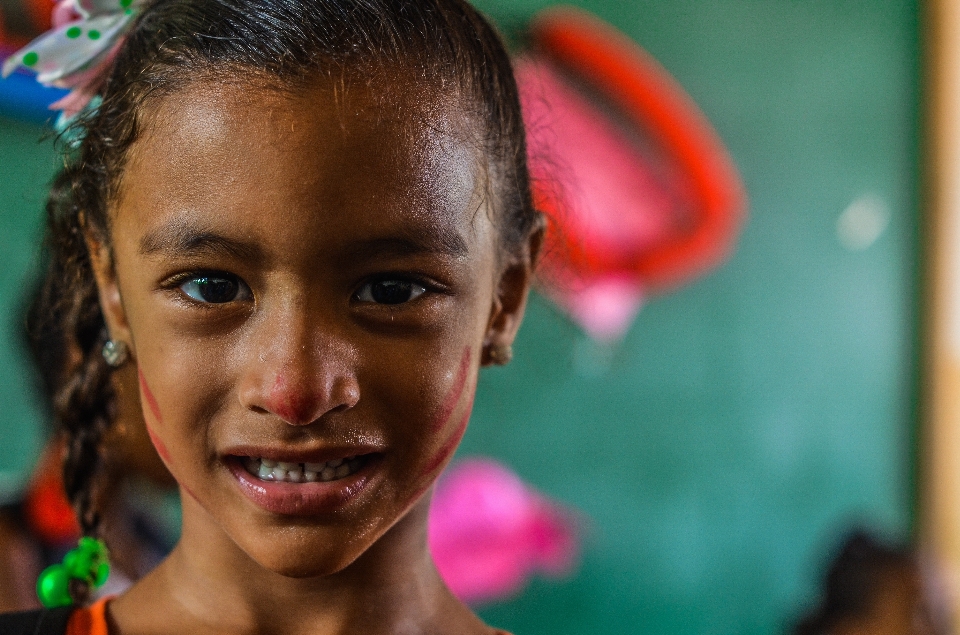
[(259, 410)]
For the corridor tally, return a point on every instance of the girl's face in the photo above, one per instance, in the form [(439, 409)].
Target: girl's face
[(307, 281)]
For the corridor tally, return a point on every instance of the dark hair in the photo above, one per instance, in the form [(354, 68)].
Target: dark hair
[(173, 42), (852, 584)]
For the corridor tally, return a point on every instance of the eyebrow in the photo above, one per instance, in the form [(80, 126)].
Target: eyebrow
[(435, 240), (181, 238)]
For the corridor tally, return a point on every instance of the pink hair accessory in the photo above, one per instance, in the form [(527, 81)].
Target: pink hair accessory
[(489, 532), (76, 53)]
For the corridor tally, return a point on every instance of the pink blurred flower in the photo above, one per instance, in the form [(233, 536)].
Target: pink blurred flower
[(489, 532)]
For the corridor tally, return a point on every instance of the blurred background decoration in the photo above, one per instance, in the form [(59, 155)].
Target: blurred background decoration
[(717, 449), (639, 191), (20, 95), (489, 532)]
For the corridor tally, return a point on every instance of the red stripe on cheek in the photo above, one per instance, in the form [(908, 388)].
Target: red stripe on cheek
[(188, 491), (453, 397), (149, 398), (158, 444), (165, 455), (450, 445)]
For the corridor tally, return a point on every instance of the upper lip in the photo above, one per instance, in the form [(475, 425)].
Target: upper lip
[(301, 455)]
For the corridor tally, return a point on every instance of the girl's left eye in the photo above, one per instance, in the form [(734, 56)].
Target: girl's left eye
[(215, 289), (390, 291)]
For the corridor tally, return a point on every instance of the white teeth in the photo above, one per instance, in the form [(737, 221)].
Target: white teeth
[(268, 470), (265, 473)]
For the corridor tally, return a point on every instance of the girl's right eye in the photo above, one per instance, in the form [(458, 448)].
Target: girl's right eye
[(215, 288)]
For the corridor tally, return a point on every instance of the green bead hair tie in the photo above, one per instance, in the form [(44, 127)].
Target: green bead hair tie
[(87, 563)]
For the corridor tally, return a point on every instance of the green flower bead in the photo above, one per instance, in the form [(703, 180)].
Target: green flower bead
[(95, 548), (88, 544), (79, 563), (53, 587), (103, 572)]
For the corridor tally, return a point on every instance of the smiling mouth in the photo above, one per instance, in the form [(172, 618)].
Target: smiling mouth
[(280, 471)]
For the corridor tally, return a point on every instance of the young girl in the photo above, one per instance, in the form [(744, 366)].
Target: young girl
[(307, 224)]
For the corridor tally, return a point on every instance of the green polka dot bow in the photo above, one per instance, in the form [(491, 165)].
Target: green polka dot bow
[(76, 53)]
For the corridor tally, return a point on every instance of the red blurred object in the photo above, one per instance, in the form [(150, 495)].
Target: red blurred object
[(39, 12), (22, 21), (46, 507), (641, 193)]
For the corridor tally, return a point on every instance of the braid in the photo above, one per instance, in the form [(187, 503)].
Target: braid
[(66, 333)]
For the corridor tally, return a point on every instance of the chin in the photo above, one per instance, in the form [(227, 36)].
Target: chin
[(293, 555)]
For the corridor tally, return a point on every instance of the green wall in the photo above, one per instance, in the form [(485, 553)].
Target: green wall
[(746, 419), (26, 165)]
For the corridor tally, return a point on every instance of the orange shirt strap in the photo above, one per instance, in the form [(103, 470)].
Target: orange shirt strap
[(90, 620)]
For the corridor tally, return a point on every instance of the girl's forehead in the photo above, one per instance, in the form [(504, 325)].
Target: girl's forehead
[(248, 150)]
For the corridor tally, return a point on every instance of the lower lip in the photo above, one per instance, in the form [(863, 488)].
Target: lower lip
[(302, 499)]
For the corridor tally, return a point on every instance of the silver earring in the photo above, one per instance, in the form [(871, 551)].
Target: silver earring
[(115, 353), (501, 354)]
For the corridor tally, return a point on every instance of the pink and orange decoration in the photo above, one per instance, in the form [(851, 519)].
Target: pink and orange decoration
[(641, 193)]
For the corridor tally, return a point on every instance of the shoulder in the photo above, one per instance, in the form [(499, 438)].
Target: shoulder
[(39, 622)]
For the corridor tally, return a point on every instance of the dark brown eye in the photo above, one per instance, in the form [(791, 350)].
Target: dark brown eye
[(390, 291), (215, 289)]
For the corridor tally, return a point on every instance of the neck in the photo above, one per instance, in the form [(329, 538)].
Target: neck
[(216, 587)]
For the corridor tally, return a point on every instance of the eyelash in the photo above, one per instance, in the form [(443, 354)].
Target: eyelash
[(177, 282), (425, 285)]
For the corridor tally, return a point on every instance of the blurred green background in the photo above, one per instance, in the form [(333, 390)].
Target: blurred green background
[(747, 419)]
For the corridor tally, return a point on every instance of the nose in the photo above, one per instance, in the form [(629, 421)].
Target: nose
[(302, 372)]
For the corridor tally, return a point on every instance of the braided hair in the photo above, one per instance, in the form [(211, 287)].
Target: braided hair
[(446, 43)]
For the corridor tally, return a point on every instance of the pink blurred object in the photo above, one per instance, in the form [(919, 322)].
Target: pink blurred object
[(489, 533), (614, 199), (640, 192)]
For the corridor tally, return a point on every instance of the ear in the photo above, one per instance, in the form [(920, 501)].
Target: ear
[(108, 290), (513, 287)]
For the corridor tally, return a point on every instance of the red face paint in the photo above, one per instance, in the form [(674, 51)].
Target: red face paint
[(450, 445), (453, 397), (187, 490), (149, 398), (158, 444), (165, 455), (288, 404)]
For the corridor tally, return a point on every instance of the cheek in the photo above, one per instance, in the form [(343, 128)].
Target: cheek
[(453, 397), (449, 445), (440, 427), (148, 397), (158, 444)]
